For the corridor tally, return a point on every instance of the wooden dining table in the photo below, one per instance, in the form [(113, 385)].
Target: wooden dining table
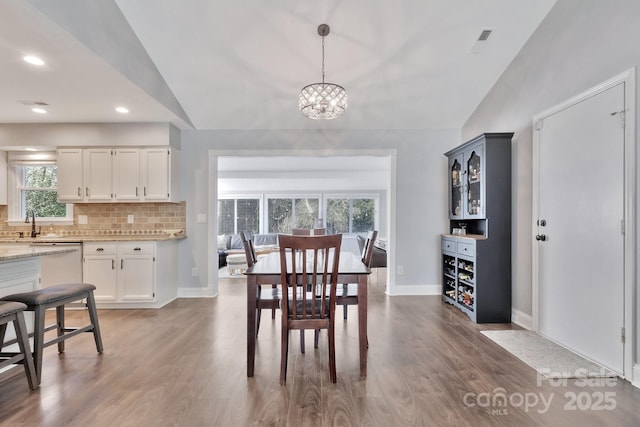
[(266, 271)]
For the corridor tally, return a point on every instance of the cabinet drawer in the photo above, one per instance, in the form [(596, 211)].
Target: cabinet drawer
[(99, 249), (448, 245), (136, 248), (466, 249)]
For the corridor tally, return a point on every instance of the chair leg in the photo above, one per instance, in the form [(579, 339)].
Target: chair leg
[(302, 341), (344, 309), (284, 353), (93, 316), (316, 338), (258, 314), (23, 343), (332, 353), (3, 330), (273, 310), (38, 339), (60, 326)]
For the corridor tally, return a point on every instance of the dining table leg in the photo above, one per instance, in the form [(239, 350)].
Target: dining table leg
[(252, 293), (362, 322)]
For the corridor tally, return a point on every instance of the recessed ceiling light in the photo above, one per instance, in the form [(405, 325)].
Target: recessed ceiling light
[(30, 149), (39, 110), (122, 110), (33, 60)]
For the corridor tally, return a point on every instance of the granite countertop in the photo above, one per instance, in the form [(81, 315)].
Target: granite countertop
[(25, 251), (93, 238)]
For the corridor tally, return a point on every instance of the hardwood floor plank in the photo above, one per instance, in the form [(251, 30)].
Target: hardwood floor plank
[(185, 365)]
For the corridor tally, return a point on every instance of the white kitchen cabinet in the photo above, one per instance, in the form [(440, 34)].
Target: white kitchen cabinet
[(98, 174), (106, 174), (70, 175), (131, 274), (136, 273), (99, 269), (3, 177), (160, 180), (126, 174)]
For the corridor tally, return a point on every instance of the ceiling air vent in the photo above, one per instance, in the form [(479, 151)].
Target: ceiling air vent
[(484, 35), (482, 40), (39, 103)]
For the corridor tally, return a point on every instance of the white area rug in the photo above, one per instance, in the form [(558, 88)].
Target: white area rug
[(547, 357)]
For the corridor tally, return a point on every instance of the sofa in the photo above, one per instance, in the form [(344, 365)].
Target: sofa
[(232, 244)]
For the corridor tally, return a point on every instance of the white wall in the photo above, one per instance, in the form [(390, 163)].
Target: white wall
[(580, 44), (421, 193)]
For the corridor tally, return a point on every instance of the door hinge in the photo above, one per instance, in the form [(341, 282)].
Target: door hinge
[(622, 334), (540, 124)]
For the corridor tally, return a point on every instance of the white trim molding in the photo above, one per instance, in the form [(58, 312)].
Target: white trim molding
[(197, 292), (521, 319), (408, 290)]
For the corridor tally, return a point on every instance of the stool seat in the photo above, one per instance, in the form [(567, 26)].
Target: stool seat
[(7, 308), (51, 294), (57, 296), (13, 312)]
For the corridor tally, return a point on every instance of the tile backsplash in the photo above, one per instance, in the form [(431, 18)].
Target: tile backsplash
[(109, 219)]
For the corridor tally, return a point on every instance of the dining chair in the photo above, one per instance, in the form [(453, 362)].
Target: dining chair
[(266, 298), (309, 273), (347, 294), (319, 232), (301, 232)]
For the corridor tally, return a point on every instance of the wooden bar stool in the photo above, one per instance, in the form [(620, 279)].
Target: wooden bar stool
[(13, 312), (56, 297)]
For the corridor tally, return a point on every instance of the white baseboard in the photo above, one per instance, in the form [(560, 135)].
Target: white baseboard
[(197, 292), (415, 290), (636, 376), (521, 319)]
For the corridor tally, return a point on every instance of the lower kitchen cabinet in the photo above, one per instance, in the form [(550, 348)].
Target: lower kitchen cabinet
[(131, 274)]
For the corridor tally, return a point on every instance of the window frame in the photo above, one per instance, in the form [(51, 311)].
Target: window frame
[(292, 197), (352, 196), (235, 197), (14, 189)]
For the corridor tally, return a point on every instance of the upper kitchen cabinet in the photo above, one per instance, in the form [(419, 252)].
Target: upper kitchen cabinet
[(70, 175), (160, 177), (477, 170), (3, 177), (126, 174), (102, 175), (98, 174)]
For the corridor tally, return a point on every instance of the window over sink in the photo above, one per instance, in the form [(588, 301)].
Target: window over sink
[(33, 186)]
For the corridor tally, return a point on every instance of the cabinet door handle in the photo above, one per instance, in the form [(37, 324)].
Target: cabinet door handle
[(541, 237), (113, 264), (79, 192), (99, 249), (137, 192), (137, 249), (144, 191), (86, 191), (121, 264)]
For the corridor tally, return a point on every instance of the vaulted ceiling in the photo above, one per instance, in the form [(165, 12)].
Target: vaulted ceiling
[(213, 64)]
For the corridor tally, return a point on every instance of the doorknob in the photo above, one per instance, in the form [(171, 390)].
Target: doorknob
[(541, 237)]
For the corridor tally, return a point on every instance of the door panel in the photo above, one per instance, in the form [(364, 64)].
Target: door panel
[(581, 200)]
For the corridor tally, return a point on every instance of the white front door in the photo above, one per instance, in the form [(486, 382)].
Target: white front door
[(580, 226)]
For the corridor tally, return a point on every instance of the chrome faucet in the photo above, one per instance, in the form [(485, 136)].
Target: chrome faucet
[(33, 221)]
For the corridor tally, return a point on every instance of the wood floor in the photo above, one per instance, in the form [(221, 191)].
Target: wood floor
[(185, 365)]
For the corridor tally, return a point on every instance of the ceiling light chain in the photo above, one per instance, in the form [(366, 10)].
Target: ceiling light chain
[(322, 101)]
